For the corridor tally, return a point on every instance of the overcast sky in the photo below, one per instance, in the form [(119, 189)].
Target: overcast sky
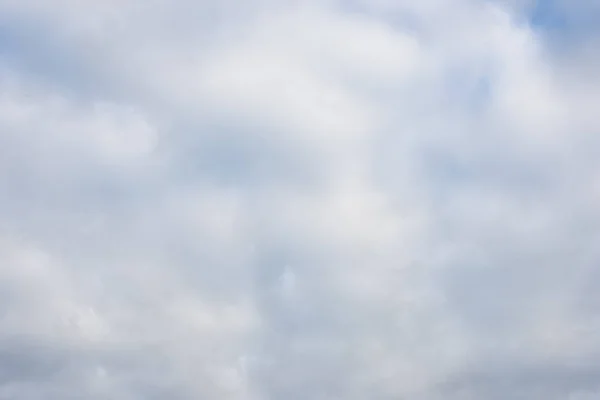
[(303, 200)]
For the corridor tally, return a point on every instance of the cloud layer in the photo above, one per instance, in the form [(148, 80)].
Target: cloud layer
[(265, 199)]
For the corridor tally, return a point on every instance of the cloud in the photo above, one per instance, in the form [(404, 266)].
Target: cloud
[(261, 200)]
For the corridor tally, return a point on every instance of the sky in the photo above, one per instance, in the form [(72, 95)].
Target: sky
[(304, 200)]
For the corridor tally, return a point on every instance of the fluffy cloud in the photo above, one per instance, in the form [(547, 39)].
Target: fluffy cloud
[(272, 199)]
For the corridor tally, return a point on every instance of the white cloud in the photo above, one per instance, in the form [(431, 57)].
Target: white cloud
[(257, 200)]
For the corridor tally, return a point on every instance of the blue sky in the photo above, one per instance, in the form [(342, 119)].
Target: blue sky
[(299, 200)]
